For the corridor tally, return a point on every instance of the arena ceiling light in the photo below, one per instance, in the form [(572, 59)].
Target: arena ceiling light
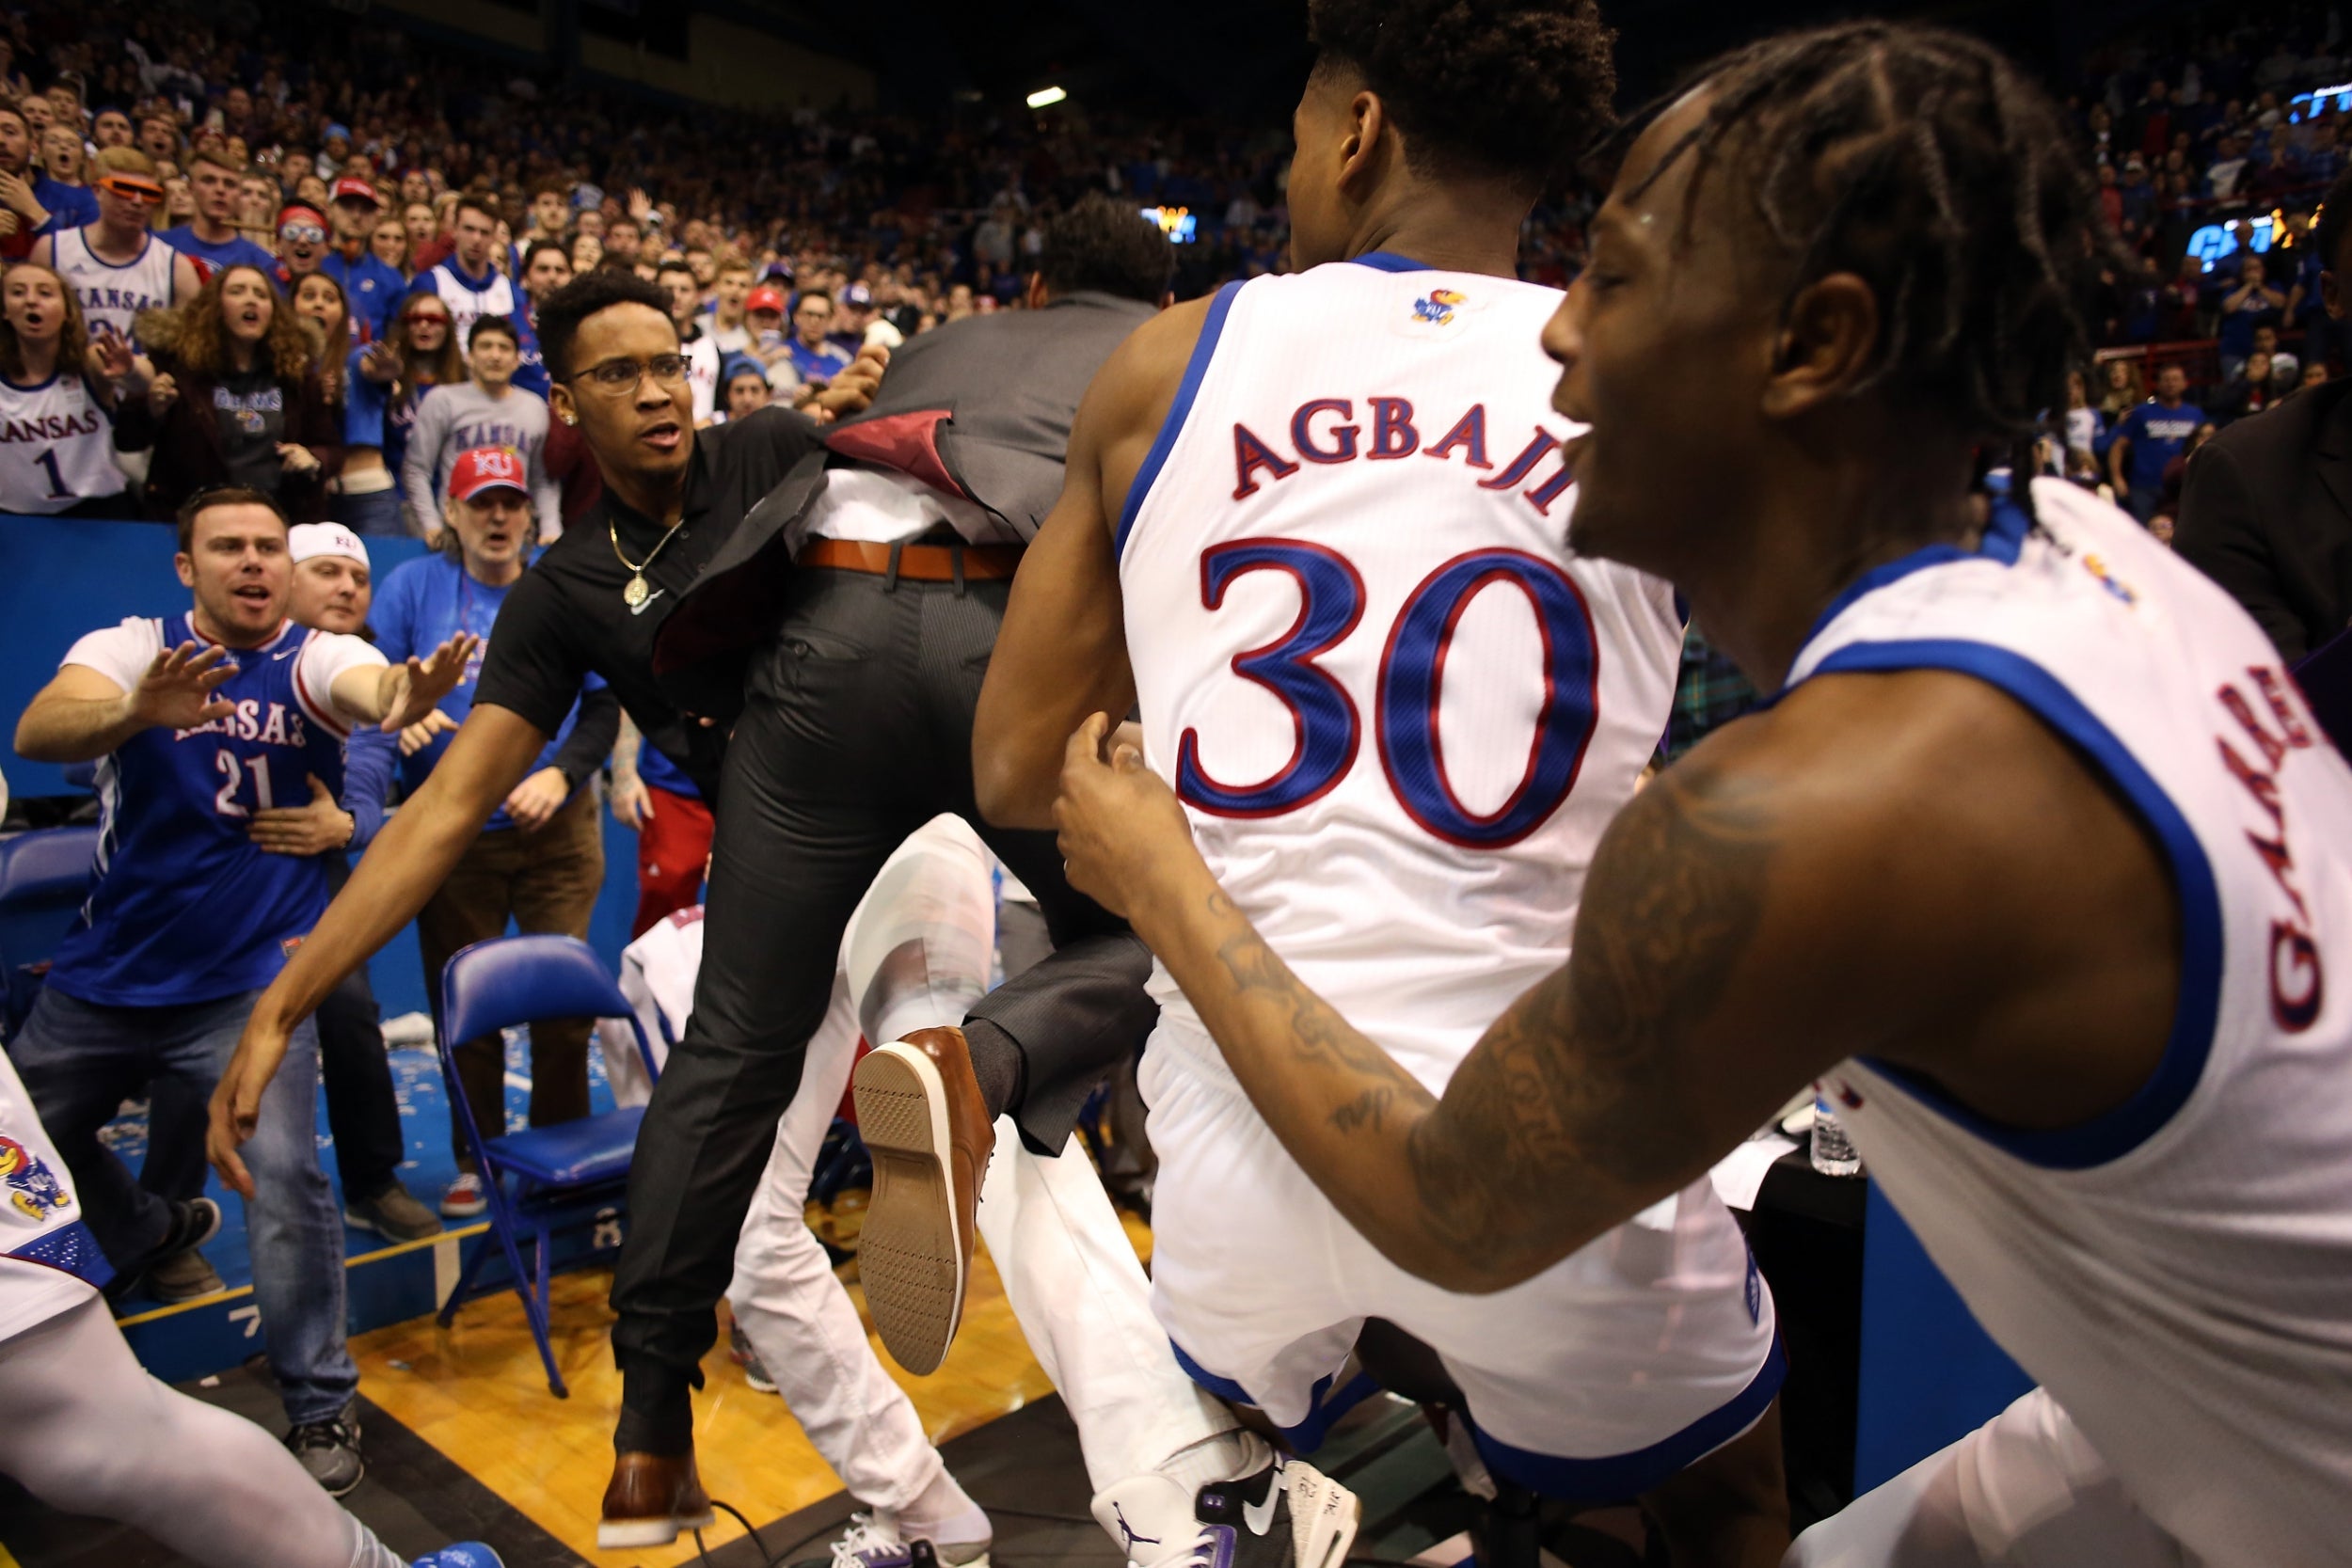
[(1046, 98)]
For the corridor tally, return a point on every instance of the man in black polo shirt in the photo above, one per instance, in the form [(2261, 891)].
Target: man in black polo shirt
[(674, 513)]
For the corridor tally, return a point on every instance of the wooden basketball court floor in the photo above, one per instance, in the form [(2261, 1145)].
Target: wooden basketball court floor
[(465, 1441)]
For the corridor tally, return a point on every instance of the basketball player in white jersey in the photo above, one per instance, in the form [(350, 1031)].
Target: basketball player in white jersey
[(59, 388), (117, 267), (2037, 862), (916, 955), (1332, 506), (87, 1429)]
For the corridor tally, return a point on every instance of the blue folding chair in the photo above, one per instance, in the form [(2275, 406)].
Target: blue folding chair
[(557, 1170), (44, 877)]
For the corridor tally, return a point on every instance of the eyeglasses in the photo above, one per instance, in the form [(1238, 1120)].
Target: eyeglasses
[(426, 318), (144, 192), (302, 234), (620, 375)]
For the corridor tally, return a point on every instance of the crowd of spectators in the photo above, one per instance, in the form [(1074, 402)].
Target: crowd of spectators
[(291, 255), (364, 170), (2213, 143)]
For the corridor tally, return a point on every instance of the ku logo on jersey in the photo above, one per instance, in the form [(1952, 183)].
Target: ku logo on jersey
[(34, 1190), (1438, 306), (2109, 580)]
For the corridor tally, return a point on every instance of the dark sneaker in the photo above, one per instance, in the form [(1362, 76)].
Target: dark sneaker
[(186, 1278), (740, 1348), (329, 1451), (193, 1223), (874, 1541), (394, 1215)]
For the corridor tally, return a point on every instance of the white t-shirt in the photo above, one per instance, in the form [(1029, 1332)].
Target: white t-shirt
[(883, 507), (123, 654)]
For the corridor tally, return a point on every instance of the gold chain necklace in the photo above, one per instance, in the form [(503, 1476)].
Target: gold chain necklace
[(634, 592)]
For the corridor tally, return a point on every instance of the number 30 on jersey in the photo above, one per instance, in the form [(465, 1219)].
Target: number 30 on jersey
[(1412, 681)]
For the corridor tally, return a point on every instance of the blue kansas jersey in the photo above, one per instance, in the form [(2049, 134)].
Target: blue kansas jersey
[(186, 910)]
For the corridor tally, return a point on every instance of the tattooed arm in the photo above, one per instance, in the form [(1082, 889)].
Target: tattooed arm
[(1678, 1026)]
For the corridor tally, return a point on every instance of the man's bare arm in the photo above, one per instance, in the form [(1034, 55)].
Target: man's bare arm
[(395, 696), (1062, 652), (1600, 1092), (83, 714), (408, 862), (1907, 867)]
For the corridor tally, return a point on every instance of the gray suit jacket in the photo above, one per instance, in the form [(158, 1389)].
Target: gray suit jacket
[(979, 408)]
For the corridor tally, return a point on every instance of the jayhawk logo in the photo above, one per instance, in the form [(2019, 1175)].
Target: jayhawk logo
[(34, 1190), (2109, 580), (1436, 307)]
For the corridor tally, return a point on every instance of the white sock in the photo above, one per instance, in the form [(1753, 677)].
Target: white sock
[(1228, 1456), (944, 1515)]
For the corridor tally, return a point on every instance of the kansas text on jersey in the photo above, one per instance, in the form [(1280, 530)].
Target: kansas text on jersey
[(186, 910)]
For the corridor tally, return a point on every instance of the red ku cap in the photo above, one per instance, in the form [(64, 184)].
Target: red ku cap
[(485, 468)]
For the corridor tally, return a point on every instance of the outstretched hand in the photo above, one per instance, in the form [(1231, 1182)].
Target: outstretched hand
[(852, 389), (1118, 822), (176, 693), (421, 682), (111, 355), (417, 737), (236, 1106)]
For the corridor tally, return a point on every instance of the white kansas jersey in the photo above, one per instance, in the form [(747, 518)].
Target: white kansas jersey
[(57, 446), (2177, 1273), (1398, 709), (49, 1260), (111, 294)]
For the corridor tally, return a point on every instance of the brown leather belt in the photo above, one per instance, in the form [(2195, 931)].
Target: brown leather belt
[(916, 563)]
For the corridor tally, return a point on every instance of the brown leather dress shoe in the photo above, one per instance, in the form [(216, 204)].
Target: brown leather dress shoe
[(920, 1113), (652, 1497)]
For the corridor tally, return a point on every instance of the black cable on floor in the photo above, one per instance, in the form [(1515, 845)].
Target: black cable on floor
[(758, 1545), (775, 1559)]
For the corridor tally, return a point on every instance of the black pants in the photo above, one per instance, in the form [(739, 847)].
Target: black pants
[(362, 1110), (856, 730)]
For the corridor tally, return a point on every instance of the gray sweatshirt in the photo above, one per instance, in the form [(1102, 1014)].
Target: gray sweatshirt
[(458, 418)]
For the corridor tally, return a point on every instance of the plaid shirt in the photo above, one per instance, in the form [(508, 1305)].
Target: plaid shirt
[(1709, 692)]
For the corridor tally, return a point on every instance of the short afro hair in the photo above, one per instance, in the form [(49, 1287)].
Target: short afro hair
[(1925, 163), (1512, 88), (561, 312), (1107, 246)]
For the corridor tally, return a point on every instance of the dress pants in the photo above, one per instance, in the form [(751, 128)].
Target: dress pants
[(856, 730)]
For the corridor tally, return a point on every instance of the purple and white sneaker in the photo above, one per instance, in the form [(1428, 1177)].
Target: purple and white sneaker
[(874, 1541), (1287, 1515)]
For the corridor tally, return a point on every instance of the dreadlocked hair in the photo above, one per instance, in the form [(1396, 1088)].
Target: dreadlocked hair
[(1512, 87), (1925, 163)]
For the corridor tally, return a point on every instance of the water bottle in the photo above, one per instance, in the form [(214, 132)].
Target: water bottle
[(1833, 1152)]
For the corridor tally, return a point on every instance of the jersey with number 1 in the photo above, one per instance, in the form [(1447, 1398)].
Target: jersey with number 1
[(186, 910), (1399, 710), (57, 446)]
